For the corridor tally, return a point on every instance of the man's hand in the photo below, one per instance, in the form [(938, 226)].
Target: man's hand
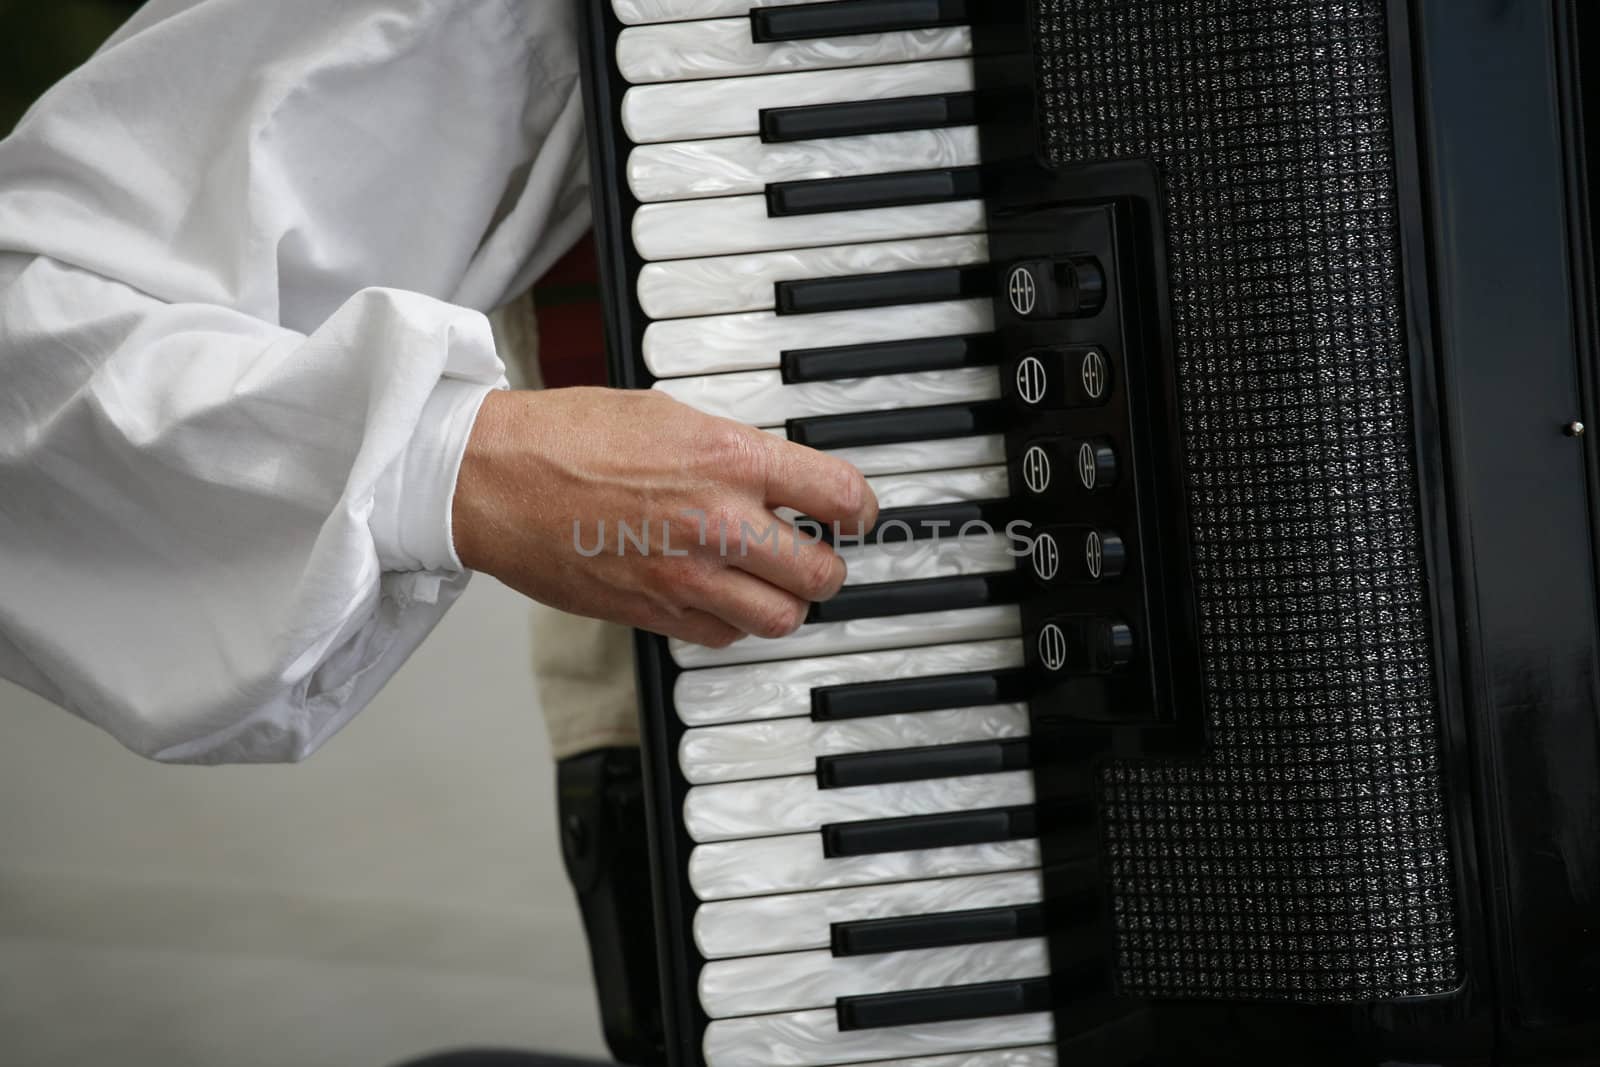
[(539, 463)]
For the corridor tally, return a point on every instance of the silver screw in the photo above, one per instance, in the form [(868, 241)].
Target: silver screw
[(1573, 429)]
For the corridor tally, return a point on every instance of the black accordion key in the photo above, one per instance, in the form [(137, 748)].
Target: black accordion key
[(870, 937), (917, 596), (815, 122), (900, 696), (844, 18), (883, 290), (923, 522), (889, 357), (921, 764), (898, 427), (868, 192), (947, 830), (924, 1006)]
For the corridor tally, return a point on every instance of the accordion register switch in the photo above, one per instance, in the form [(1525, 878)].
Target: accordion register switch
[(1085, 384)]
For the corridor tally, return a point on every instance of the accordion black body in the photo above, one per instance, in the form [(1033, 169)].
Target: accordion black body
[(1272, 322)]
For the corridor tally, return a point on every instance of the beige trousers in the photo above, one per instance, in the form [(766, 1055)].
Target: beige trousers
[(583, 668)]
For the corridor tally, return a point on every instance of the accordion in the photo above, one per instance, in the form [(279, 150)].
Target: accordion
[(1218, 685)]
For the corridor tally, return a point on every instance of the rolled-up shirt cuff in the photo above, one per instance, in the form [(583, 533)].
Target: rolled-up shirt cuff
[(411, 504)]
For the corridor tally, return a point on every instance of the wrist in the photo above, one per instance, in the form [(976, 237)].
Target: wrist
[(479, 482)]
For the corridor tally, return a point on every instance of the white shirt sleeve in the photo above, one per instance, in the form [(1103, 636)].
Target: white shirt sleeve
[(244, 258)]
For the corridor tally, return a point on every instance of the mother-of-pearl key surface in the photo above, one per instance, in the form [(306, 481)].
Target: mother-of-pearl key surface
[(763, 398), (814, 1038), (905, 561), (774, 747), (731, 107), (1032, 1056), (783, 689), (922, 488), (773, 806), (726, 870), (795, 981), (921, 456), (719, 344), (637, 12), (858, 635), (725, 226), (722, 285), (789, 922), (724, 48), (727, 166)]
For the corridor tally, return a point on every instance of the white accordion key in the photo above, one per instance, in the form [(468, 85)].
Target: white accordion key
[(783, 690), (736, 224), (757, 340), (741, 751), (919, 456), (637, 12), (944, 557), (724, 48), (726, 284), (790, 922), (729, 166), (761, 865), (920, 489), (774, 806), (858, 635), (795, 981), (1034, 1056), (761, 398), (814, 1038), (731, 107)]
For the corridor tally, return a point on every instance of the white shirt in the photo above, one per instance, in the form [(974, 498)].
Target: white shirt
[(244, 258)]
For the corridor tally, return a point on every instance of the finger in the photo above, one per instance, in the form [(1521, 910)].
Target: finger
[(818, 486), (667, 617), (749, 604), (697, 628), (792, 559)]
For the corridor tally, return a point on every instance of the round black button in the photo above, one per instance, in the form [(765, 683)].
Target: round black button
[(1096, 464), (1113, 645), (1104, 555)]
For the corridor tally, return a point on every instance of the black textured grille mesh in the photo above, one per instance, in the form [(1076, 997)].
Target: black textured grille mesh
[(1306, 858)]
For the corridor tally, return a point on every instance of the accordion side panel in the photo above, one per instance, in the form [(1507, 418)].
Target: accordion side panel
[(1306, 857)]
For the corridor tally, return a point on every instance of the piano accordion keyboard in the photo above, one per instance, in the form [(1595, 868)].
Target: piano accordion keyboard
[(813, 252)]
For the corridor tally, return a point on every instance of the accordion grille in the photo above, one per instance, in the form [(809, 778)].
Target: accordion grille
[(1306, 858)]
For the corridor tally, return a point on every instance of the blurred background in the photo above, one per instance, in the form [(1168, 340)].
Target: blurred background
[(40, 40), (400, 893)]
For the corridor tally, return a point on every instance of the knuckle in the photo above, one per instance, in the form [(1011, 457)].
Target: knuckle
[(733, 454), (725, 514), (821, 574), (852, 490), (684, 530), (781, 618), (724, 522), (650, 398), (652, 599), (680, 578)]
